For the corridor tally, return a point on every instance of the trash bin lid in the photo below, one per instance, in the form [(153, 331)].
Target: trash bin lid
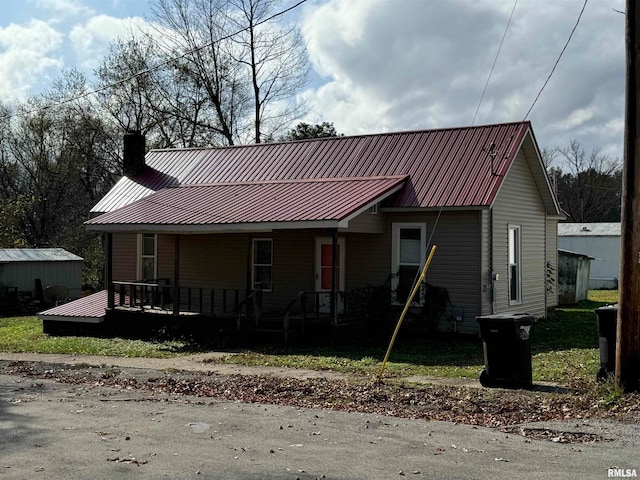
[(508, 317), (607, 307)]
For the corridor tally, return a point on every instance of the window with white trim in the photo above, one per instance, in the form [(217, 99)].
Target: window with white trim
[(262, 267), (407, 258), (515, 271), (147, 256)]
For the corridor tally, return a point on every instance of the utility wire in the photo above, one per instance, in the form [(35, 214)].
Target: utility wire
[(494, 63), (557, 61), (151, 69)]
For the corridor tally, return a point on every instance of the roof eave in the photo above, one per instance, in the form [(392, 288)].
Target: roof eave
[(217, 227)]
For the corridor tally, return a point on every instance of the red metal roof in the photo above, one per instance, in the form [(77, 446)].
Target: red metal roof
[(446, 167), (90, 309), (272, 202)]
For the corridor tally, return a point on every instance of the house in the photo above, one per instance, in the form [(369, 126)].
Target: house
[(38, 274), (333, 230), (599, 240), (573, 276)]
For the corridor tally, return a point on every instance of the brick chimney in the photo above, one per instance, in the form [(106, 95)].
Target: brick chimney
[(133, 155)]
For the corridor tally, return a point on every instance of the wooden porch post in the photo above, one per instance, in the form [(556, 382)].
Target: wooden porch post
[(176, 275), (108, 273), (334, 290)]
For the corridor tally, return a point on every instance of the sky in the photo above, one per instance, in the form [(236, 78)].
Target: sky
[(388, 65)]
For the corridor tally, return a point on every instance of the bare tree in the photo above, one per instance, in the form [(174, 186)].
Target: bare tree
[(277, 61), (588, 185), (196, 34), (248, 66)]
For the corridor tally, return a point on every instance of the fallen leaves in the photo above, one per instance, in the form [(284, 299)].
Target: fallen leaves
[(473, 406)]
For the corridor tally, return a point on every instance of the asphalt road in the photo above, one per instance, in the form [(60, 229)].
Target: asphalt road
[(63, 431)]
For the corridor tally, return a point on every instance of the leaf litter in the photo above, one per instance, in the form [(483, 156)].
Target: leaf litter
[(506, 410)]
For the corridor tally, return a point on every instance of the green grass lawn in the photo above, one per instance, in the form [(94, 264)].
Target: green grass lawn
[(24, 334), (564, 349)]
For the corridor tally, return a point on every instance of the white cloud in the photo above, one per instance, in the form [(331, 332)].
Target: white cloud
[(63, 9), (395, 65), (90, 40), (27, 53)]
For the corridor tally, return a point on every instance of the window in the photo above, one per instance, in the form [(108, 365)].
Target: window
[(147, 248), (407, 258), (515, 278), (262, 264)]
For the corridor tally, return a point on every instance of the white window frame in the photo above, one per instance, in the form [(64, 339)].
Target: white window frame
[(254, 264), (140, 255), (396, 227), (516, 256)]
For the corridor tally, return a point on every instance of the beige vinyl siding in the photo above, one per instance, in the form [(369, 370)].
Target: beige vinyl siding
[(367, 222), (456, 265), (214, 261), (519, 203), (165, 251), (293, 266), (486, 295), (125, 248), (224, 262)]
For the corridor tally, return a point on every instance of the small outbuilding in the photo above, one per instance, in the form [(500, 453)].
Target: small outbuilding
[(573, 276), (598, 240), (29, 272)]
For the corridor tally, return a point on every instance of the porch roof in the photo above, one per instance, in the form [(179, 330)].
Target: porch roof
[(89, 309), (271, 204)]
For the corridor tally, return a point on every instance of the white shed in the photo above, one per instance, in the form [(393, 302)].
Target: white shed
[(21, 267), (598, 240)]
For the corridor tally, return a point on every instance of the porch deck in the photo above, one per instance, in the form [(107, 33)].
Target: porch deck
[(239, 310)]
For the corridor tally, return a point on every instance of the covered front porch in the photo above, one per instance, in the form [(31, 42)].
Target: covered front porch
[(266, 257), (235, 313)]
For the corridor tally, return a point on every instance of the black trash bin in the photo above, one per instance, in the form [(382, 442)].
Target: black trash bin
[(607, 319), (507, 350)]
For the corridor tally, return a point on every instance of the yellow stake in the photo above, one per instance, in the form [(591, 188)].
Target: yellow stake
[(404, 312)]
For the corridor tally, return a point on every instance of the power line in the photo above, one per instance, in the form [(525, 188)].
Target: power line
[(151, 69), (557, 61), (494, 63)]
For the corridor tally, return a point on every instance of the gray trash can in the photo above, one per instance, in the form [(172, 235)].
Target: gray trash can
[(507, 350), (607, 323)]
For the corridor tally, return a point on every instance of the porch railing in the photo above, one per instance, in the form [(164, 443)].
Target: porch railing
[(249, 307), (177, 299), (315, 306)]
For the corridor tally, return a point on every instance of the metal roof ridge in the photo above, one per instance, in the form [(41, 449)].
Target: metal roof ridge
[(295, 180), (344, 137)]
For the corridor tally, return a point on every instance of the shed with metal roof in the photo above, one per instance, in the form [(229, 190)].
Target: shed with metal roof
[(600, 240), (23, 268)]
